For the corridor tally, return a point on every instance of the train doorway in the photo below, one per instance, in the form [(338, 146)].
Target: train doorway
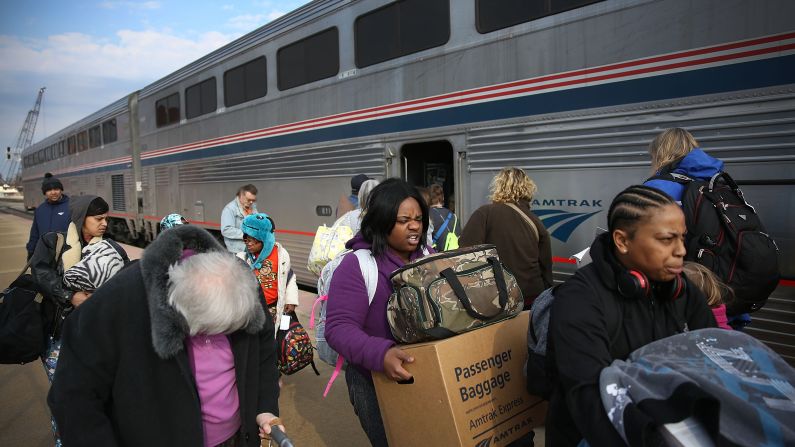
[(430, 162)]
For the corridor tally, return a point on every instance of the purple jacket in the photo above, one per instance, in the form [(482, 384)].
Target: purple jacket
[(358, 332)]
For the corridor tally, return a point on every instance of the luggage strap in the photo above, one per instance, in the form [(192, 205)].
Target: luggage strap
[(526, 219), (442, 227), (337, 369), (318, 300), (58, 249)]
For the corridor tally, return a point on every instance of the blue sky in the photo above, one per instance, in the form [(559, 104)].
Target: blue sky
[(90, 53)]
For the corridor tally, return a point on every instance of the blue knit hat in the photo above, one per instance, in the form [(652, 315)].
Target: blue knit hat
[(171, 221), (260, 227)]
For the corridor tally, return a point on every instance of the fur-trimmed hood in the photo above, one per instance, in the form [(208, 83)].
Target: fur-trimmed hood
[(169, 327)]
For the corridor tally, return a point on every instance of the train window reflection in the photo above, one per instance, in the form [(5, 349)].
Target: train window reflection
[(200, 99), (245, 82), (109, 131), (492, 15), (82, 141), (167, 110), (311, 59), (401, 28), (94, 137)]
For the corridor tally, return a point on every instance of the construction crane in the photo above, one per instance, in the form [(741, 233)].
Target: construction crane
[(25, 138)]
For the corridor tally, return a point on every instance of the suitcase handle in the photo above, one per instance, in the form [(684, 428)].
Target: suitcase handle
[(460, 293)]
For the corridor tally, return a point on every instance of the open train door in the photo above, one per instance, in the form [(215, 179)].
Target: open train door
[(426, 163)]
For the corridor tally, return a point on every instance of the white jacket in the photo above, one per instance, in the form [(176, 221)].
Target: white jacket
[(288, 288)]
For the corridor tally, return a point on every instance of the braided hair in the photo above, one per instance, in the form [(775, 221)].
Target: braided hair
[(634, 204)]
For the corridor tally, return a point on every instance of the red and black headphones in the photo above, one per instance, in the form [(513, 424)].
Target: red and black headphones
[(635, 285)]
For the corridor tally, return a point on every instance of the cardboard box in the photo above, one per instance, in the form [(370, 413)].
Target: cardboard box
[(468, 390)]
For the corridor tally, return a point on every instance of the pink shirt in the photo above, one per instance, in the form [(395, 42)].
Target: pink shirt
[(720, 316), (213, 367)]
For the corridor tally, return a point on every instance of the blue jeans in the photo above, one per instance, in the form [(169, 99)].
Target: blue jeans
[(365, 404), (50, 360)]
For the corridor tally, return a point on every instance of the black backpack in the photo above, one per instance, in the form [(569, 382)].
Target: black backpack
[(23, 327), (726, 235)]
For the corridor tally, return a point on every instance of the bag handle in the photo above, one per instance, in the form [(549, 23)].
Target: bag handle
[(25, 268), (526, 219), (731, 184), (460, 293), (59, 242)]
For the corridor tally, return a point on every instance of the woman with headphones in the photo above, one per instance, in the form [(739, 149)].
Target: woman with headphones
[(632, 293)]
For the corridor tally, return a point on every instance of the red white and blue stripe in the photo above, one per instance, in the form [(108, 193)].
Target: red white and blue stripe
[(748, 64)]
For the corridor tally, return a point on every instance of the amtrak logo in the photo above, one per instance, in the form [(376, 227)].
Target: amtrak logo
[(561, 224), (484, 443)]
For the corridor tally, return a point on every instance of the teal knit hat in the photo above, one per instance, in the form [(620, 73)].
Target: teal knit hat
[(171, 221), (260, 227)]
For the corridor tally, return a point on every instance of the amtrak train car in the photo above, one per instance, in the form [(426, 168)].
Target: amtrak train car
[(449, 92)]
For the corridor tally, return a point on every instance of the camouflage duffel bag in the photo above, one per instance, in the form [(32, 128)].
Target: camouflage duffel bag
[(449, 293)]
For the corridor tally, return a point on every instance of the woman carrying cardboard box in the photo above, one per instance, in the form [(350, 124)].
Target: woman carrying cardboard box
[(393, 233)]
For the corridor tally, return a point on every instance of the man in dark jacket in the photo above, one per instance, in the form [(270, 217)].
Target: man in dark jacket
[(52, 214), (175, 350)]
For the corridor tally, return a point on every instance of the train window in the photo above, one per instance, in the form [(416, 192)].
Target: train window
[(94, 137), (82, 141), (311, 59), (401, 28), (492, 15), (167, 110), (245, 82), (71, 144), (200, 99), (109, 131), (62, 148)]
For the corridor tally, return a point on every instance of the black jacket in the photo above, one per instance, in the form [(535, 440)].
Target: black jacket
[(591, 325), (438, 216), (47, 269), (123, 376)]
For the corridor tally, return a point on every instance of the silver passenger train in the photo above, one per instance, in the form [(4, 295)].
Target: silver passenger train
[(450, 91)]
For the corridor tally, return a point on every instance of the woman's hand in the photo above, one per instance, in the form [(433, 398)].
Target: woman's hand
[(79, 297), (264, 422), (289, 308), (393, 364)]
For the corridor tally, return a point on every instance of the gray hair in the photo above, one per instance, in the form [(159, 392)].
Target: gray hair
[(214, 292), (364, 192)]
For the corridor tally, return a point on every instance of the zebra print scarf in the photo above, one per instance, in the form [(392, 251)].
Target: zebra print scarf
[(98, 263)]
